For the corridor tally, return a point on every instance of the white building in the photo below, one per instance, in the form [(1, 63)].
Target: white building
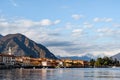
[(44, 63), (7, 59)]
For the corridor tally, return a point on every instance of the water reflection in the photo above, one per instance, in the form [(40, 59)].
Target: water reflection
[(61, 74)]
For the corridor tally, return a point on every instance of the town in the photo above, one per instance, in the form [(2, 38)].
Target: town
[(9, 60)]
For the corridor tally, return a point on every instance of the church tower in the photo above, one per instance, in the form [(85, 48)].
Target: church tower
[(10, 51)]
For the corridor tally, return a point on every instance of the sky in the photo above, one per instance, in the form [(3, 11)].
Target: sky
[(65, 27)]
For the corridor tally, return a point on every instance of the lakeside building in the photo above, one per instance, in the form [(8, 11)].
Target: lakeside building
[(21, 61), (74, 63), (40, 62), (7, 59)]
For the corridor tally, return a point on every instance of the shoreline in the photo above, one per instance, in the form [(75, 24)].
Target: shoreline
[(44, 67)]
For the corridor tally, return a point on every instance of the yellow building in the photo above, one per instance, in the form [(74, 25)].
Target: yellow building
[(74, 63)]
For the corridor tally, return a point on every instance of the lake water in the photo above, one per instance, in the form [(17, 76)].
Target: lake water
[(61, 74)]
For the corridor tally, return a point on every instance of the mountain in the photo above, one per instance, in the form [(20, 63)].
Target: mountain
[(1, 36), (23, 46), (117, 56), (86, 58)]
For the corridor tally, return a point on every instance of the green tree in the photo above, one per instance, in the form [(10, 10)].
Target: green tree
[(92, 62), (97, 64), (104, 62), (101, 61)]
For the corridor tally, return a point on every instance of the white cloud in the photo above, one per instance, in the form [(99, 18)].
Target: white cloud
[(2, 19), (111, 33), (102, 19), (4, 24), (37, 31), (105, 53), (28, 27), (77, 16), (87, 25), (116, 25), (77, 32), (105, 30), (57, 21), (45, 22), (59, 51), (77, 48), (69, 26), (108, 49), (108, 19), (26, 23)]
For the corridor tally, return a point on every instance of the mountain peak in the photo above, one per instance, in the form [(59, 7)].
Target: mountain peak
[(14, 35)]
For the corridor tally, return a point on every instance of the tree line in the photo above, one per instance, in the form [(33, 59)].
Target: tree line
[(104, 62)]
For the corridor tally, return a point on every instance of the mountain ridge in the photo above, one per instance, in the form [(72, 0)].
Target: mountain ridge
[(86, 58)]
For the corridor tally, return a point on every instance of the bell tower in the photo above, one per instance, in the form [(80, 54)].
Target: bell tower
[(10, 51)]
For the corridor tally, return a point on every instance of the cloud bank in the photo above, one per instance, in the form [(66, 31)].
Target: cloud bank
[(70, 39)]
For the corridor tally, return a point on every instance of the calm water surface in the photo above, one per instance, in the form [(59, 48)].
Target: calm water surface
[(61, 74)]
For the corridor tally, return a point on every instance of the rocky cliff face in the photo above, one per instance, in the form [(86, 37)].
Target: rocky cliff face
[(23, 46)]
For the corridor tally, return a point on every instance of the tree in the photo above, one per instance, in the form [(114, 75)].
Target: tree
[(92, 62), (100, 61), (104, 62), (97, 64)]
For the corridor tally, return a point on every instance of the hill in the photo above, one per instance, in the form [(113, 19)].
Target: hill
[(23, 46)]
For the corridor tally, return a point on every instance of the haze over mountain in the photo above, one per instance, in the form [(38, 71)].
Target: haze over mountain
[(86, 58), (23, 46), (117, 56)]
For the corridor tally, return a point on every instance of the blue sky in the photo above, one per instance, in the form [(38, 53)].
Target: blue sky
[(65, 27)]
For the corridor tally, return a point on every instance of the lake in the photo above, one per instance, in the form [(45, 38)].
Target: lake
[(61, 74)]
